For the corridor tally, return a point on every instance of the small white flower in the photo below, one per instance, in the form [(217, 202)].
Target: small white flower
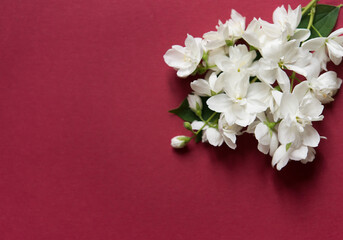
[(325, 86), (239, 60), (185, 59), (214, 54), (327, 47), (259, 32), (310, 156), (284, 153), (241, 102), (236, 25), (217, 39), (298, 111), (256, 35), (288, 21), (266, 135), (179, 141), (216, 136), (227, 32), (203, 87), (209, 134), (278, 56), (195, 103), (228, 132)]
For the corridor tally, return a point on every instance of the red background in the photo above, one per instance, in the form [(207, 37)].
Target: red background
[(85, 133)]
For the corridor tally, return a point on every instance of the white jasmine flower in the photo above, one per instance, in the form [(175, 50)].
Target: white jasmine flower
[(203, 87), (237, 66), (241, 102), (311, 153), (327, 47), (266, 134), (284, 153), (209, 134), (288, 21), (236, 25), (185, 59), (298, 112), (195, 103), (217, 39), (278, 56), (256, 35), (214, 54), (228, 132), (259, 32), (227, 32), (325, 86), (179, 141), (239, 60)]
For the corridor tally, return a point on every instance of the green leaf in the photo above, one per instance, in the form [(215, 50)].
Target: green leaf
[(184, 112), (324, 20), (198, 138)]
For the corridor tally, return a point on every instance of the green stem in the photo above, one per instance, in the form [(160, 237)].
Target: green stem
[(312, 13), (205, 123), (209, 124), (299, 81), (212, 66), (309, 6), (292, 82), (254, 80)]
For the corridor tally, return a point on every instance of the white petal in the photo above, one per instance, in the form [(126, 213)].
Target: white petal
[(310, 156), (298, 69), (230, 140), (219, 103), (314, 44), (274, 143), (277, 95), (289, 105), (299, 153), (174, 58), (336, 33), (300, 90), (287, 133), (201, 87), (310, 136), (216, 84), (185, 72), (311, 107), (335, 51), (283, 80), (263, 148), (214, 137), (301, 34), (262, 133), (280, 158)]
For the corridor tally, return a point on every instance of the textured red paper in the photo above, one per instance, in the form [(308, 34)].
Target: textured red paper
[(85, 133)]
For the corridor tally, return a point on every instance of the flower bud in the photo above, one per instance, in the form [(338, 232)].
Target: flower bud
[(325, 86), (195, 104), (188, 126), (180, 141)]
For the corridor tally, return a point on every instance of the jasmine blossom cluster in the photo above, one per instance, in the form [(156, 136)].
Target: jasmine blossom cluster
[(267, 79)]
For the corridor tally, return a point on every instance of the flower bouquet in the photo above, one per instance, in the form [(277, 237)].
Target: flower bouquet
[(267, 79)]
